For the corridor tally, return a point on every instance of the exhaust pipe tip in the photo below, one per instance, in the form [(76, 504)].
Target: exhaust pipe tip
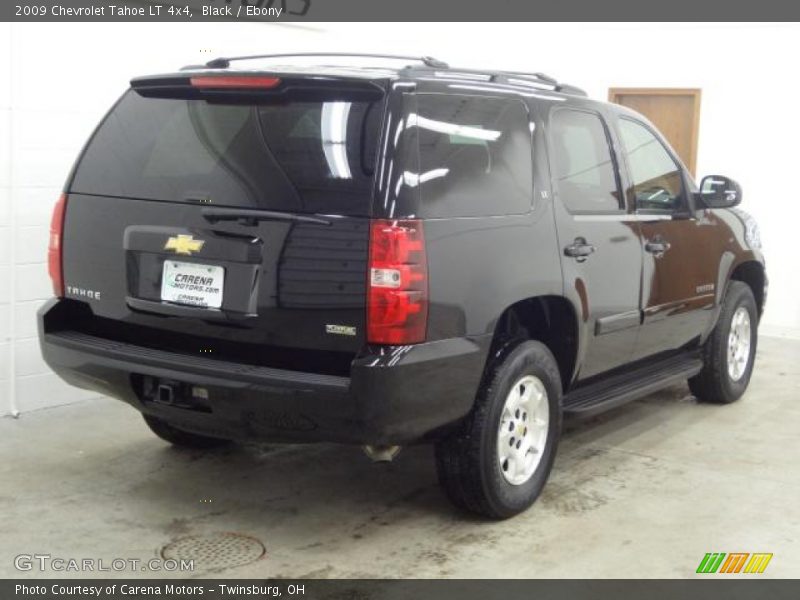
[(383, 454)]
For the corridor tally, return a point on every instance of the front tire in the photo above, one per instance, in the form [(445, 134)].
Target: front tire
[(729, 353), (183, 439), (497, 464)]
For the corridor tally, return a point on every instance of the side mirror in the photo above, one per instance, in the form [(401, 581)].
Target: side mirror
[(717, 191)]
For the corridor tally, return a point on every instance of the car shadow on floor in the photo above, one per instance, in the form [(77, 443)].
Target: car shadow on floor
[(279, 482)]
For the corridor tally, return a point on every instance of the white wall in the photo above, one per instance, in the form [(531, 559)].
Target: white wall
[(57, 80)]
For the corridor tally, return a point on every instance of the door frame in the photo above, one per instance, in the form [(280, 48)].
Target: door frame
[(678, 317), (612, 336), (696, 95)]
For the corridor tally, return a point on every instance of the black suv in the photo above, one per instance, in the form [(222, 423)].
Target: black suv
[(384, 255)]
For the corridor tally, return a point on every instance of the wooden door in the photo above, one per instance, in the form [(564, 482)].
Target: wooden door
[(676, 113)]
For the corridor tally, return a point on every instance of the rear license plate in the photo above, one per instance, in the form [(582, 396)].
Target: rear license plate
[(192, 284)]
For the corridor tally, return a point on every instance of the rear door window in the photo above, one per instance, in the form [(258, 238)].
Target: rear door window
[(584, 172), (313, 156), (474, 154)]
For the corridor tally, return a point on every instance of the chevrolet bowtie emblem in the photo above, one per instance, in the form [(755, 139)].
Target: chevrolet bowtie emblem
[(184, 244)]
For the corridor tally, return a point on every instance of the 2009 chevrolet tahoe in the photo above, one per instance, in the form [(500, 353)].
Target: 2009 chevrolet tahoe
[(385, 255)]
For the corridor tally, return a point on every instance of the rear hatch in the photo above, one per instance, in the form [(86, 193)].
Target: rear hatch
[(222, 217)]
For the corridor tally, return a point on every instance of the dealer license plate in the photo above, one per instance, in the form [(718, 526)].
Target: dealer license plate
[(192, 284)]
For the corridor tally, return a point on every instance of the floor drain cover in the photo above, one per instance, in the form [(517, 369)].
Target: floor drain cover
[(216, 550)]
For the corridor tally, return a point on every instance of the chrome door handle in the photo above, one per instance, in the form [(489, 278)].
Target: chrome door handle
[(657, 246), (580, 249)]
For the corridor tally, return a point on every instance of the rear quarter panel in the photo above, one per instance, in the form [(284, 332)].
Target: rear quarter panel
[(478, 266)]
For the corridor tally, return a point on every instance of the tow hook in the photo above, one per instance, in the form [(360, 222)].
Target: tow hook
[(381, 453)]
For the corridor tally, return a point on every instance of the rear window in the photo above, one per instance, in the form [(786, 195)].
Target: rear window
[(475, 156), (304, 156)]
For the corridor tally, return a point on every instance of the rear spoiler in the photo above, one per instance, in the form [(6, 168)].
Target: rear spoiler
[(204, 85)]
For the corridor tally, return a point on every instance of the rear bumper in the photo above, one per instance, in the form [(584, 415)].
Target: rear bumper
[(394, 395)]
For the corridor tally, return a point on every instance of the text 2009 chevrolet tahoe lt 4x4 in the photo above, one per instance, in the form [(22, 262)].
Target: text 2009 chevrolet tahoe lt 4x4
[(390, 255)]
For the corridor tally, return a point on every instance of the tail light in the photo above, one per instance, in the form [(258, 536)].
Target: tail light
[(397, 298), (55, 247)]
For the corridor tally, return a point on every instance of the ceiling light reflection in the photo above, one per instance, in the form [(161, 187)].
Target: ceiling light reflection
[(475, 133), (334, 138)]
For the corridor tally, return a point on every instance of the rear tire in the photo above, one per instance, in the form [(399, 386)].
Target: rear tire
[(183, 439), (497, 464), (729, 353)]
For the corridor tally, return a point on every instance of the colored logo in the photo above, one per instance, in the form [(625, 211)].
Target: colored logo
[(734, 562), (183, 244)]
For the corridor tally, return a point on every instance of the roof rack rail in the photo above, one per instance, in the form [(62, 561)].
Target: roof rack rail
[(545, 79), (538, 75), (510, 76), (225, 62)]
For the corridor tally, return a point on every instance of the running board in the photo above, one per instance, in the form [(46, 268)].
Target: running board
[(616, 390)]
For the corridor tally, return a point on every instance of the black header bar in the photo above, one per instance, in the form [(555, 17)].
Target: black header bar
[(397, 10)]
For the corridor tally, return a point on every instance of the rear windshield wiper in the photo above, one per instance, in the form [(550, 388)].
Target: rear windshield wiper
[(249, 216)]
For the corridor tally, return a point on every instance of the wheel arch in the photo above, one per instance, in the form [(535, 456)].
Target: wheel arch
[(551, 320), (752, 273)]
